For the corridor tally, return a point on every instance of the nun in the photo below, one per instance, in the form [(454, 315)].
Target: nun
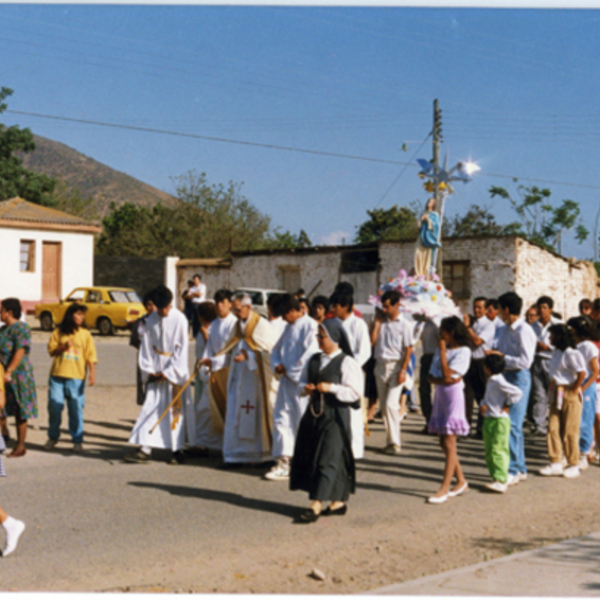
[(323, 464)]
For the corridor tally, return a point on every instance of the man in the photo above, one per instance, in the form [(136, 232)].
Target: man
[(596, 310), (481, 331), (429, 336), (210, 410), (288, 358), (251, 387), (163, 361), (342, 306), (585, 307), (392, 337), (197, 294), (188, 308), (274, 317), (516, 342), (491, 312), (532, 315), (540, 376)]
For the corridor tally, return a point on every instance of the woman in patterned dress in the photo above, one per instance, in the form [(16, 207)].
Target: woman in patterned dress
[(13, 528), (15, 344)]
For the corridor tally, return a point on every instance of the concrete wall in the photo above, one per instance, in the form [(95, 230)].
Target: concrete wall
[(141, 274), (541, 273), (77, 266)]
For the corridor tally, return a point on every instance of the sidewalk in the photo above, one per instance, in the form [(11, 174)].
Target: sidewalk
[(570, 568)]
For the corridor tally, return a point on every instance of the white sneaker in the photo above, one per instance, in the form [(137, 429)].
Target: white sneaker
[(278, 473), (12, 537), (392, 449), (49, 445), (583, 463), (497, 486), (553, 469), (572, 472), (512, 480), (522, 476)]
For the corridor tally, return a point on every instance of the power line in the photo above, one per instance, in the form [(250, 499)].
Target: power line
[(212, 139), (278, 147)]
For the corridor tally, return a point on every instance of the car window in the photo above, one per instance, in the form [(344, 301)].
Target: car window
[(255, 297), (76, 296), (94, 297), (133, 297), (118, 296)]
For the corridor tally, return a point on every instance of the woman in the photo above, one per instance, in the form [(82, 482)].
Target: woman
[(15, 345), (323, 464), (450, 363), (13, 528), (320, 307), (74, 356), (428, 239)]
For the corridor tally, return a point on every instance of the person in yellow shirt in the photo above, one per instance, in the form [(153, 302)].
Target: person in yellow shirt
[(74, 354), (12, 527)]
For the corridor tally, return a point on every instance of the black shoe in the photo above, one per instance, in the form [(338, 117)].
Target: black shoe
[(197, 452), (177, 458), (308, 516), (341, 511)]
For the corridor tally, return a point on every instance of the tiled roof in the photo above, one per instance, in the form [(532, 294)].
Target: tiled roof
[(19, 210)]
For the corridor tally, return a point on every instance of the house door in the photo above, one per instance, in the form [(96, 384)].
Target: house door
[(51, 271)]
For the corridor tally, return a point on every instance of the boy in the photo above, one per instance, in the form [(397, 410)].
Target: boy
[(499, 395)]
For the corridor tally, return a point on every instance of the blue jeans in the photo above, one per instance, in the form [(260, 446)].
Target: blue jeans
[(522, 379), (71, 390), (588, 415)]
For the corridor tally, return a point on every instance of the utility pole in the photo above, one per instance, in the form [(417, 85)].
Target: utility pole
[(437, 138)]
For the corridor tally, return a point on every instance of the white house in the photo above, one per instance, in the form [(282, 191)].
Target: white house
[(44, 253)]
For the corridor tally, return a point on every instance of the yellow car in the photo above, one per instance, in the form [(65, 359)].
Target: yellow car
[(108, 308)]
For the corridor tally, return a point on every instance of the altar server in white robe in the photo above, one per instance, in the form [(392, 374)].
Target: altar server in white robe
[(342, 306), (251, 387), (214, 373), (288, 358), (275, 319), (163, 361)]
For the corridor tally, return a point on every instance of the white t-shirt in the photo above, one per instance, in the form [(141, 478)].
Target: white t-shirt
[(588, 350), (564, 366), (198, 288), (459, 360)]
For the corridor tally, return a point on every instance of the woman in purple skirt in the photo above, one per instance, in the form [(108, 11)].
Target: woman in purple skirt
[(450, 363)]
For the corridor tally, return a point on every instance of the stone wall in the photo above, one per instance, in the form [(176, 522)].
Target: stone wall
[(214, 277), (543, 273)]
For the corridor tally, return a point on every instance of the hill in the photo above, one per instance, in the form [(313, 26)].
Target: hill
[(93, 179)]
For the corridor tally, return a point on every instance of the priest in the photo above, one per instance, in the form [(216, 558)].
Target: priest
[(163, 361), (251, 387)]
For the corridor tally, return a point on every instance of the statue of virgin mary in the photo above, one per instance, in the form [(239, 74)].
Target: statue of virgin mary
[(428, 238)]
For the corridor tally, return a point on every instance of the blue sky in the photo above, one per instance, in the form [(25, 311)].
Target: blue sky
[(518, 90)]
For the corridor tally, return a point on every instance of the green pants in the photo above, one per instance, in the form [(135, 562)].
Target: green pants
[(496, 433)]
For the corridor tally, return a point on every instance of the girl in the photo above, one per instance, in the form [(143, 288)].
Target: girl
[(73, 351), (13, 527), (323, 463), (450, 363), (583, 332), (15, 344), (566, 371)]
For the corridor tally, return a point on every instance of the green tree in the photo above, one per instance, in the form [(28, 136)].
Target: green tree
[(15, 179), (540, 220), (288, 240), (393, 223), (71, 200), (477, 221)]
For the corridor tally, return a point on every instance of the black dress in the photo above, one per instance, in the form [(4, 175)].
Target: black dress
[(323, 464)]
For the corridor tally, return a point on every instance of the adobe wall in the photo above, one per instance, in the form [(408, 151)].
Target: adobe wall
[(541, 273)]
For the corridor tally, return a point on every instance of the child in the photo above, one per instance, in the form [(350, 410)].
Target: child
[(499, 395), (450, 363), (583, 332), (13, 527), (73, 351), (567, 371)]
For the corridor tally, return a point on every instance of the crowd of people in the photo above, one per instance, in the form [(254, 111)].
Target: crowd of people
[(296, 391)]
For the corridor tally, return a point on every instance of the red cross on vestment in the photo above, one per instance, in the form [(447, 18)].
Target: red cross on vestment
[(247, 406)]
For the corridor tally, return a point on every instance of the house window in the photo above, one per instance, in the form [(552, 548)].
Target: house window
[(457, 278), (27, 256)]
